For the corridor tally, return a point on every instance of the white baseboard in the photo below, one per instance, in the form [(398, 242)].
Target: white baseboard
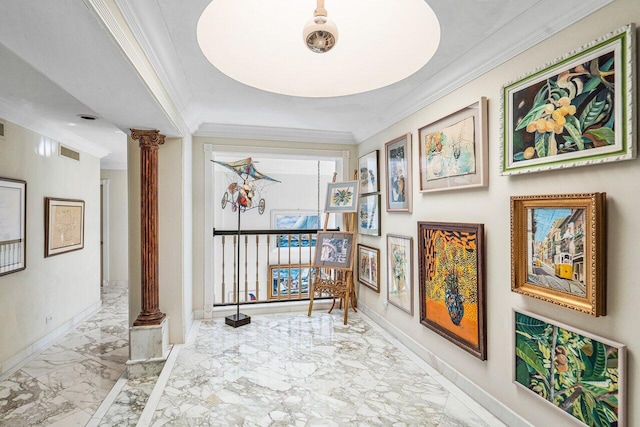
[(491, 404), (10, 366)]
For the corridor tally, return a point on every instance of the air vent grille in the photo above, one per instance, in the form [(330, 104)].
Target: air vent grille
[(69, 153), (1, 130)]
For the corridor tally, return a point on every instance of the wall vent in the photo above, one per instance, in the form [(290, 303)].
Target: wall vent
[(1, 130), (69, 153)]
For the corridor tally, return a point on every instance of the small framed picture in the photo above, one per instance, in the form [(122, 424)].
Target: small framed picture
[(334, 250), (453, 150), (342, 197), (368, 173), (289, 282), (64, 226), (558, 250), (398, 168), (400, 272), (369, 267), (577, 110), (369, 215), (13, 225)]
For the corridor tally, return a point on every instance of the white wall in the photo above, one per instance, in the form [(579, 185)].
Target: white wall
[(118, 224), (62, 286), (490, 206)]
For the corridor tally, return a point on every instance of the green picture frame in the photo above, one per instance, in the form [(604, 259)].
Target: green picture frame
[(574, 111)]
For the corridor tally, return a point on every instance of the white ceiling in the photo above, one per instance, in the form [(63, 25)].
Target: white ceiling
[(137, 64)]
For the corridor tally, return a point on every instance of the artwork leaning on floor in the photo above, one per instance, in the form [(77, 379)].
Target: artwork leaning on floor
[(451, 258), (577, 372)]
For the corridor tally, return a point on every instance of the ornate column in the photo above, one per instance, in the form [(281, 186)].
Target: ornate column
[(149, 141)]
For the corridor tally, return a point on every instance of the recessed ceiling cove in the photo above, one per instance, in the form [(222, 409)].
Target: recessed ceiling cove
[(259, 43)]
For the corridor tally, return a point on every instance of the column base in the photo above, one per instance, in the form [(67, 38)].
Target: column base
[(149, 342), (237, 320)]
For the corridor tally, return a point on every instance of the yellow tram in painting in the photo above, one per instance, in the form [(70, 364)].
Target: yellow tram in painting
[(563, 265)]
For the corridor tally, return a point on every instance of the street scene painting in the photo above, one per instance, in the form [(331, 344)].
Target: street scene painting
[(556, 248), (579, 373)]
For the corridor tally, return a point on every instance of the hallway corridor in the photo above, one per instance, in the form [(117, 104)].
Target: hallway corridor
[(281, 370)]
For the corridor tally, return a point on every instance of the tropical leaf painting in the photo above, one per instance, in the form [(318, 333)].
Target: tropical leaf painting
[(568, 112), (578, 374), (578, 110)]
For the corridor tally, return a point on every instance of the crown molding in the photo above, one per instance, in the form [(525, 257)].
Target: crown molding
[(108, 12), (275, 134), (180, 97), (113, 165), (448, 82), (13, 112)]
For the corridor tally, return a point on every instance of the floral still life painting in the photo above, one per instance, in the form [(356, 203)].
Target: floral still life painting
[(399, 274), (451, 151), (451, 283), (574, 112), (578, 373), (342, 197)]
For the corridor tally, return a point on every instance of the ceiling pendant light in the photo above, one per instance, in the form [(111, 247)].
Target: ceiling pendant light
[(320, 34)]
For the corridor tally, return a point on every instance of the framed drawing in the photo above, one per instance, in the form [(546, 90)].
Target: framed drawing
[(582, 375), (289, 282), (398, 171), (452, 282), (13, 225), (400, 272), (64, 226), (342, 197), (368, 173), (558, 247), (295, 220), (369, 215), (369, 267), (577, 110), (453, 150), (336, 250)]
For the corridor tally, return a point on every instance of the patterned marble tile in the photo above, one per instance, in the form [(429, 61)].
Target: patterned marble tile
[(290, 370), (66, 382)]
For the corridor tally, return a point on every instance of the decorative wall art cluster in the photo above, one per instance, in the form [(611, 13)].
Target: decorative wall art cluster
[(63, 225), (577, 110)]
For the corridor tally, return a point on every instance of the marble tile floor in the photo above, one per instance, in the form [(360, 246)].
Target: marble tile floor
[(281, 370), (65, 383), (294, 370)]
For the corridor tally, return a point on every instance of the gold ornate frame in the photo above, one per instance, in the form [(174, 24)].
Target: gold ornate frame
[(524, 280)]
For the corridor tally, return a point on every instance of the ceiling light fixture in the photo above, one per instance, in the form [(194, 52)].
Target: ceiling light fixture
[(390, 42), (320, 34)]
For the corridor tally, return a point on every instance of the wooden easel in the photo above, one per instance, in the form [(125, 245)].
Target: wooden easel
[(333, 281)]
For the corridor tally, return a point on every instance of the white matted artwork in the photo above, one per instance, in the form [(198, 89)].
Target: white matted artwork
[(400, 272), (13, 225)]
